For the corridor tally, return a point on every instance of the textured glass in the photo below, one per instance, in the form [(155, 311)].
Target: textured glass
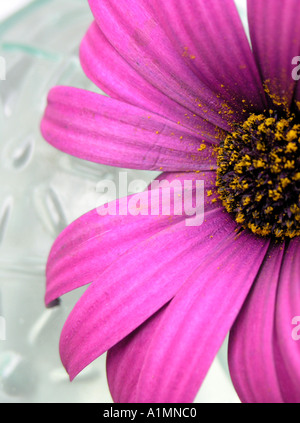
[(42, 190)]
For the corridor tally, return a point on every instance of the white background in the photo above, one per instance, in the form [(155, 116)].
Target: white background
[(7, 7)]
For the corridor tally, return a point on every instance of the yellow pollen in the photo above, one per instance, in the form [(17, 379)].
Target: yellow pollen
[(258, 176), (291, 147), (291, 135)]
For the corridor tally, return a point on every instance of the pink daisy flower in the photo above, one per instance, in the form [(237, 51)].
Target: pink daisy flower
[(187, 96)]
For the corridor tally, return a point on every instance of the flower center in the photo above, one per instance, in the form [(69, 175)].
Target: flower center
[(258, 175)]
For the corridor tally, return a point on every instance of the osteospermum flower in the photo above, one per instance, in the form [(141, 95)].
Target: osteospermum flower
[(188, 96)]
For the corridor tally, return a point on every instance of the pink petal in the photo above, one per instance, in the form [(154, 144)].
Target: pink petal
[(129, 354), (275, 35), (218, 53), (103, 64), (131, 290), (100, 129), (252, 357), (287, 309), (134, 30), (297, 96), (188, 334), (93, 242)]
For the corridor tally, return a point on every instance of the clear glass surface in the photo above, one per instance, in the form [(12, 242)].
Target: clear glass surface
[(42, 190)]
